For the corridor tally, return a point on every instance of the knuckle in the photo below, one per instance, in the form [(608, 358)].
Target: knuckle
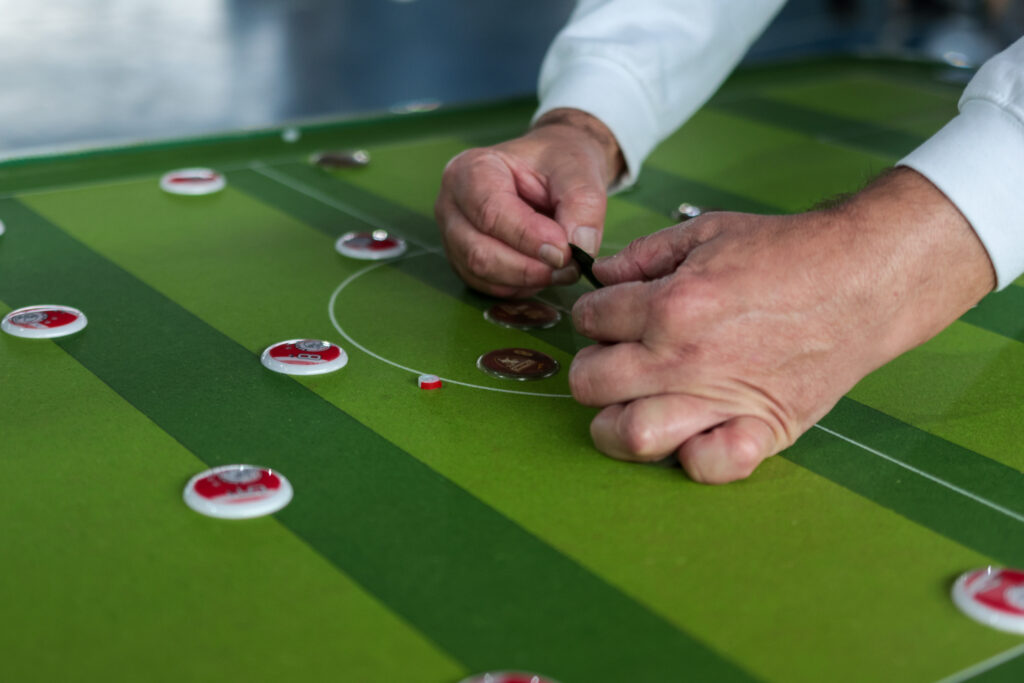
[(580, 382), (746, 456), (455, 165), (582, 316), (488, 214), (665, 304), (588, 197), (637, 437), (532, 276), (478, 260)]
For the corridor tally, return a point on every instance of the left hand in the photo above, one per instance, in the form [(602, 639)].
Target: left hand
[(726, 337)]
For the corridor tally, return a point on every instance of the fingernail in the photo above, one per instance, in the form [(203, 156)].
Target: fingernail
[(550, 255), (565, 276), (586, 239)]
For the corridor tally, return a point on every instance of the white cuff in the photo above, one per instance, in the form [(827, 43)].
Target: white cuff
[(977, 160), (607, 91)]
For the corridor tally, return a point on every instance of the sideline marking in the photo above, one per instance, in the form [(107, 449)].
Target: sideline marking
[(983, 666), (926, 475), (265, 170), (89, 184)]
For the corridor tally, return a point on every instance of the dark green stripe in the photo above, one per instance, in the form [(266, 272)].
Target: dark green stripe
[(823, 126), (1000, 312), (936, 507), (753, 78), (334, 222), (1010, 671), (477, 584), (992, 480), (662, 191)]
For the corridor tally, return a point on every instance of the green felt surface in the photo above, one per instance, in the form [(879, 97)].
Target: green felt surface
[(107, 580), (437, 533)]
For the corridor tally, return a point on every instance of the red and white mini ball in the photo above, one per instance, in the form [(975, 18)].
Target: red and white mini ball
[(238, 492), (992, 596), (370, 246), (429, 382), (508, 677), (44, 322), (304, 357), (192, 181)]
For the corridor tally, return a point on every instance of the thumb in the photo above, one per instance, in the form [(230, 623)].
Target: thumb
[(580, 201)]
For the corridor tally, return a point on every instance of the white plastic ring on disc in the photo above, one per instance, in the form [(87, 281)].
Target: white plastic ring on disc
[(43, 322), (370, 246), (237, 492), (992, 596), (2, 228), (508, 677), (193, 181), (304, 357)]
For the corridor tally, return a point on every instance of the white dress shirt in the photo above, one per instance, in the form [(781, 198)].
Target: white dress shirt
[(643, 67)]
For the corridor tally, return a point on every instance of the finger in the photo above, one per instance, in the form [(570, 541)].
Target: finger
[(601, 375), (651, 428), (730, 451), (580, 200), (655, 255), (614, 314), (488, 264), (490, 201)]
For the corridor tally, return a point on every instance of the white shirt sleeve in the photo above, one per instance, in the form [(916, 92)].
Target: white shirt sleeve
[(977, 160), (643, 67)]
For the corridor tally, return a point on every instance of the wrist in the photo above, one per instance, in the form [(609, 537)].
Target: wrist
[(933, 265), (595, 131)]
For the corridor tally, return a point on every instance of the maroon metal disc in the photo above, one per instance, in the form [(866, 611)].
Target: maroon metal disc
[(523, 315), (515, 363)]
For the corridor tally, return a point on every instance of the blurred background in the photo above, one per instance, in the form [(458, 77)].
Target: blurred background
[(77, 73)]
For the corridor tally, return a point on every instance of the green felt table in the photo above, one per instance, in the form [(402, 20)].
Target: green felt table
[(434, 534)]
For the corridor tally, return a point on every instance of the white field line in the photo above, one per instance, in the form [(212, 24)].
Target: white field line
[(986, 665), (926, 475)]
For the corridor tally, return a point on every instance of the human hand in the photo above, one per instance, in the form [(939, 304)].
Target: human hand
[(507, 213), (726, 337)]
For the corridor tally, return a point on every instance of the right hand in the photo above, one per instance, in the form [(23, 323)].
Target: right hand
[(507, 213)]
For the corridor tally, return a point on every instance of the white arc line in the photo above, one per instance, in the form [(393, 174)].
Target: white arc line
[(926, 475), (334, 321), (983, 666)]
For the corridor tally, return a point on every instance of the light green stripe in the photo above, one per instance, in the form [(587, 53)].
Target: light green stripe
[(777, 167), (101, 545), (965, 385), (895, 105)]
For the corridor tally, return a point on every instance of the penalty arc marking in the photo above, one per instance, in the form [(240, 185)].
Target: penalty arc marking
[(337, 326)]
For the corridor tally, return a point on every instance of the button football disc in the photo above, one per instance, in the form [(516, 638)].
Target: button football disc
[(304, 357), (237, 492)]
